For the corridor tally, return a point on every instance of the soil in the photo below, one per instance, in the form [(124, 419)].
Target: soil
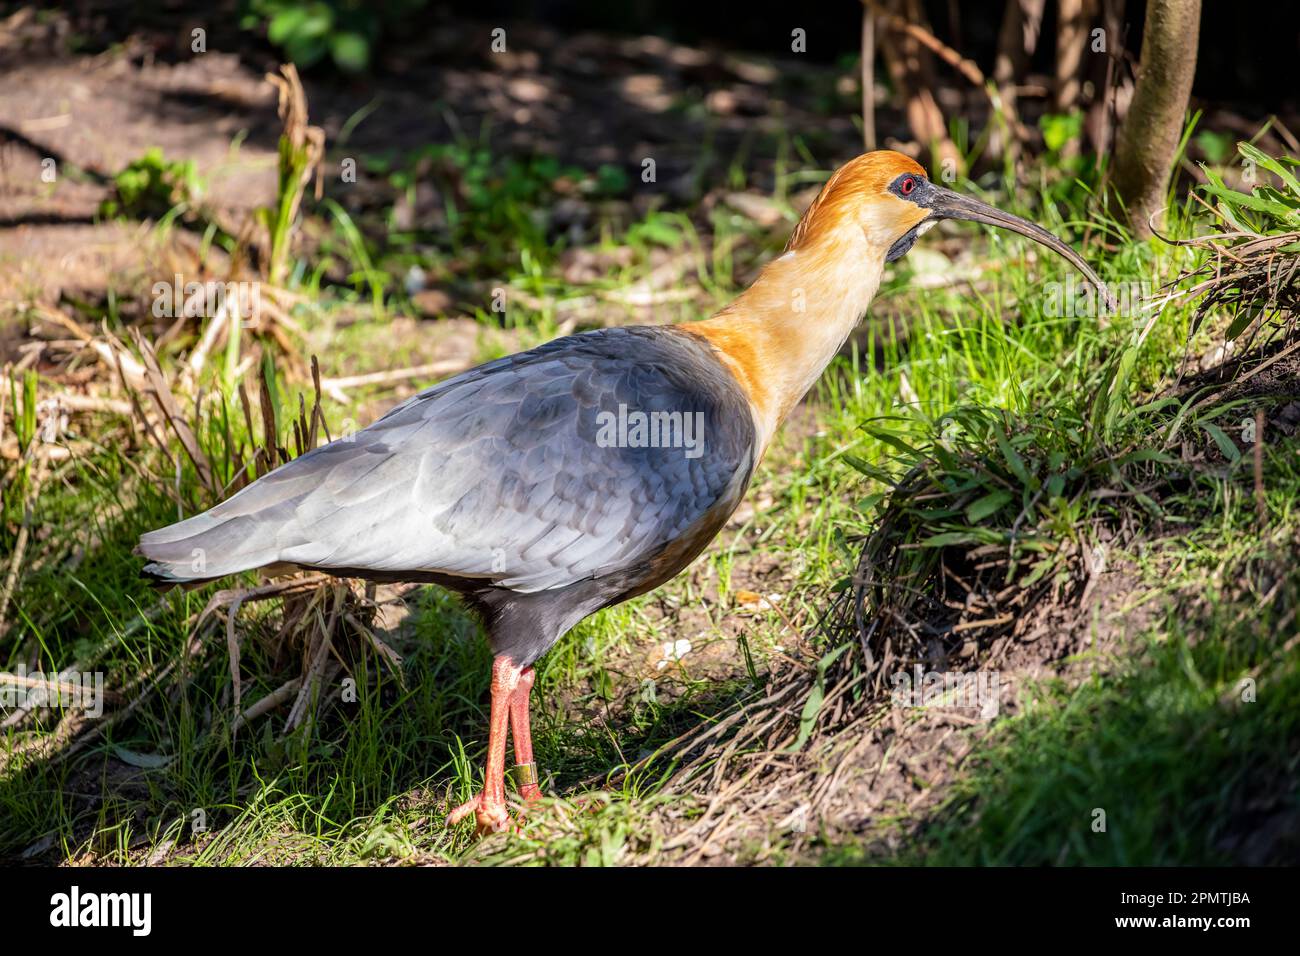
[(586, 99)]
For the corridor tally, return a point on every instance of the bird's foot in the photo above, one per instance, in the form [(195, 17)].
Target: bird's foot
[(490, 816)]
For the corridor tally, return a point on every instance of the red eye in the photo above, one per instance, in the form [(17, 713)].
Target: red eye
[(908, 185)]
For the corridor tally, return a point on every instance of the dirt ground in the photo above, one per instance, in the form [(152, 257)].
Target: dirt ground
[(585, 99)]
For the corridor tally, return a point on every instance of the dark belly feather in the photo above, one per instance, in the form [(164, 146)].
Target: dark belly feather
[(497, 483)]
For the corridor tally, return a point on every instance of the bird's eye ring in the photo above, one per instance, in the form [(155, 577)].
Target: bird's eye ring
[(907, 186)]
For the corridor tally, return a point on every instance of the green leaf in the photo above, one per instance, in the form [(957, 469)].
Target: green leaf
[(305, 50), (351, 51), (1245, 201), (870, 470), (1013, 459), (1037, 571), (319, 21), (1146, 454), (1261, 158), (947, 538), (981, 508), (1059, 129), (1217, 147), (1179, 418), (870, 501), (1226, 445), (143, 761), (892, 440), (936, 514), (1272, 195), (612, 180), (1241, 320), (1116, 389), (813, 705), (286, 24)]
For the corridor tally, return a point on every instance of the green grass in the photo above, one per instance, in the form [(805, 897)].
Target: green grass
[(368, 779), (1153, 761)]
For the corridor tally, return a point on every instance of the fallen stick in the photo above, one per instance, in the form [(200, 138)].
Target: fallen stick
[(431, 370), (280, 695), (60, 687), (93, 403), (132, 370)]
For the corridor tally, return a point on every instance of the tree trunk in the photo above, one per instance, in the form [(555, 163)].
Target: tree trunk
[(868, 78), (1071, 37), (1151, 129), (1021, 22), (912, 71), (1106, 79)]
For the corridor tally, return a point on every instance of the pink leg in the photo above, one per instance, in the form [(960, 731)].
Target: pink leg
[(489, 806), (521, 732)]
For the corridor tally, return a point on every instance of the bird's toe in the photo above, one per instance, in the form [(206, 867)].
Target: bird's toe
[(464, 810), (491, 819)]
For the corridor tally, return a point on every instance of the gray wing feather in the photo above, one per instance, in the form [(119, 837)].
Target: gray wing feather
[(495, 474)]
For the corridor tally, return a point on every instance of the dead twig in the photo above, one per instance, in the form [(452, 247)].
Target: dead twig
[(334, 386)]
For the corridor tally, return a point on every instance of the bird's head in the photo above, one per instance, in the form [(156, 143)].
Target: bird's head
[(889, 198)]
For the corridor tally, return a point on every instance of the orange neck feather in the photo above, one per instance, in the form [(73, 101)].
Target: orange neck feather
[(780, 334)]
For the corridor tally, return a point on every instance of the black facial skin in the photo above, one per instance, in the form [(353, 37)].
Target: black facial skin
[(922, 193), (946, 204), (903, 246), (922, 189)]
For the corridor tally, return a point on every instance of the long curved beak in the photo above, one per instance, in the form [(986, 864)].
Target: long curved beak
[(947, 204)]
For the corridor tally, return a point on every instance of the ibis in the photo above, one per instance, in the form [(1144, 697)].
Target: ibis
[(553, 483)]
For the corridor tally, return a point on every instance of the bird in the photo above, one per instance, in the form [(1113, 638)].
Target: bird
[(548, 485)]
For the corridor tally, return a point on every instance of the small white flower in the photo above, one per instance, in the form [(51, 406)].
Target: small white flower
[(674, 651)]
